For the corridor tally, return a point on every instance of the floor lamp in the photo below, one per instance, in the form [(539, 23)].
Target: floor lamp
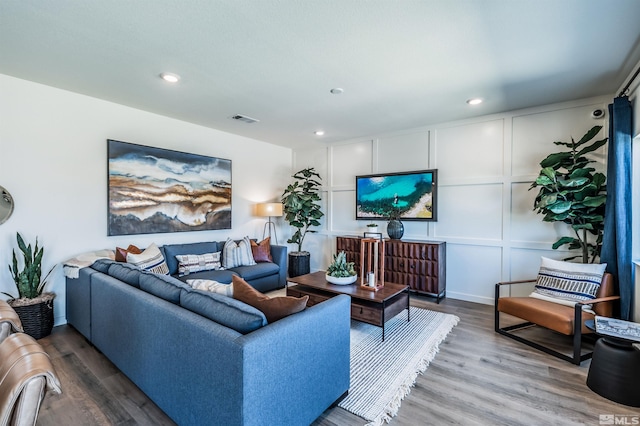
[(269, 210)]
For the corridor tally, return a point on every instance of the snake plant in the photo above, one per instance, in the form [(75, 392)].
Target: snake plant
[(28, 279), (340, 268)]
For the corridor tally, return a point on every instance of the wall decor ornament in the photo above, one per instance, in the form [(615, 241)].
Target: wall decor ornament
[(156, 190)]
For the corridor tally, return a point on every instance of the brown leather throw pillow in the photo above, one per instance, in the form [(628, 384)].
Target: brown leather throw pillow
[(262, 250), (121, 254), (274, 308)]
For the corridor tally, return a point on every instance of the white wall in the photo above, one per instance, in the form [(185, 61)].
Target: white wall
[(53, 161), (485, 167)]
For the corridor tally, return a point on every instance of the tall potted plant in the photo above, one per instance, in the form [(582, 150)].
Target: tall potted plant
[(574, 193), (302, 211), (33, 306)]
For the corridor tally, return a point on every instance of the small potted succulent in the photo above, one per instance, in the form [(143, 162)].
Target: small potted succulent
[(340, 271), (33, 306), (372, 227)]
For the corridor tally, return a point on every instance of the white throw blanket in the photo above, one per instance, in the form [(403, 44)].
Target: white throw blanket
[(71, 267)]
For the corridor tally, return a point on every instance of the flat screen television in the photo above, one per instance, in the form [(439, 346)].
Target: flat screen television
[(404, 195)]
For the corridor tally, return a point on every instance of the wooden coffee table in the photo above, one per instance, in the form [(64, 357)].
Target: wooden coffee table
[(372, 307)]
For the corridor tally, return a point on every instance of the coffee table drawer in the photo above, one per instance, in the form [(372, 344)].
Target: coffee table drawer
[(366, 314), (314, 299)]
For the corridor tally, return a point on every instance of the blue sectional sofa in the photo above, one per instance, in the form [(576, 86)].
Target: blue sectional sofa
[(208, 359)]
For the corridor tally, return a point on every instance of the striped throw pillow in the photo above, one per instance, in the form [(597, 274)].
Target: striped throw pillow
[(190, 263), (212, 286), (150, 259), (237, 254), (568, 281)]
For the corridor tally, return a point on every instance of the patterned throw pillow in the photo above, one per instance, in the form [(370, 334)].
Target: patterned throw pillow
[(237, 254), (567, 281), (189, 263), (212, 286), (262, 251), (150, 259)]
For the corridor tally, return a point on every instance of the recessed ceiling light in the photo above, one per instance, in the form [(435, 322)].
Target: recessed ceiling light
[(319, 132), (474, 101), (336, 91), (169, 77)]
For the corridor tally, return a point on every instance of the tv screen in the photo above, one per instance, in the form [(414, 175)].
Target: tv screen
[(403, 195)]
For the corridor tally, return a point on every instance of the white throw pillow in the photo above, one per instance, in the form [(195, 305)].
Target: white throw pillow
[(150, 259), (190, 263), (212, 286), (570, 282), (237, 254)]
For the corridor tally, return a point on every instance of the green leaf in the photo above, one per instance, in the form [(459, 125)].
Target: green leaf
[(592, 147), (547, 200), (560, 206), (573, 183), (562, 241), (555, 159), (591, 133), (595, 201)]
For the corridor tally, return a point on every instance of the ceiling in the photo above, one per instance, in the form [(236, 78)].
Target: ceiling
[(401, 63)]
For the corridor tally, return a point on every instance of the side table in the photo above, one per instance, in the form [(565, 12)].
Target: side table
[(615, 369)]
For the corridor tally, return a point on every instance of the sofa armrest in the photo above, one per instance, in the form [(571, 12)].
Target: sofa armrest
[(295, 368), (279, 256)]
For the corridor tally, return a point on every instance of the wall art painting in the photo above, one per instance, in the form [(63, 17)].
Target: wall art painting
[(155, 190)]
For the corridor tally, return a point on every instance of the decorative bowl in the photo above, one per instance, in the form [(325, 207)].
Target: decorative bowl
[(341, 280)]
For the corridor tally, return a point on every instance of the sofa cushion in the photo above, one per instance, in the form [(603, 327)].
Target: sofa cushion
[(171, 250), (126, 272), (102, 265), (212, 286), (237, 254), (262, 251), (151, 259), (163, 286), (256, 271), (273, 308), (190, 263), (568, 281), (222, 276), (223, 310)]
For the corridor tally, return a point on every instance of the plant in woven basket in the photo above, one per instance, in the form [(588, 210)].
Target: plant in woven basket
[(34, 307), (340, 268)]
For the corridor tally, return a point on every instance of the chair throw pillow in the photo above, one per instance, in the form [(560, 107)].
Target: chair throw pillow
[(212, 286), (190, 263), (274, 308), (237, 254), (567, 281), (262, 251), (150, 259)]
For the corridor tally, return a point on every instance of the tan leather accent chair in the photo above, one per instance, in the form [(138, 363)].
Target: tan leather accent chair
[(26, 373), (9, 321), (567, 320)]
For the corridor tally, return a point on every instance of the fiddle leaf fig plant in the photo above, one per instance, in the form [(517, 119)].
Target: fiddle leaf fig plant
[(572, 192), (301, 207)]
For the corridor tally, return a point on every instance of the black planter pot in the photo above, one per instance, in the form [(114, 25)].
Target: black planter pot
[(395, 229), (37, 317), (299, 263)]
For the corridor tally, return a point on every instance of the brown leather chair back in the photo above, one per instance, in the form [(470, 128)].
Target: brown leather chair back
[(25, 373), (9, 320), (607, 288)]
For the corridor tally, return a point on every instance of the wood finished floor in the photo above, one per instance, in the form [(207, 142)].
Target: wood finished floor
[(477, 378)]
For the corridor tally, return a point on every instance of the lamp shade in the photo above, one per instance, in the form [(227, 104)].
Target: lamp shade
[(269, 209)]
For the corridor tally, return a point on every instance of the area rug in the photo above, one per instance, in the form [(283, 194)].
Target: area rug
[(382, 373)]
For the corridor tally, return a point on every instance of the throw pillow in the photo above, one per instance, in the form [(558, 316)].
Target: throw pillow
[(567, 281), (121, 253), (262, 251), (212, 286), (150, 259), (273, 308), (189, 263), (237, 254)]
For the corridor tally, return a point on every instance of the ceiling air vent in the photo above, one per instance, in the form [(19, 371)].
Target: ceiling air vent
[(244, 118)]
